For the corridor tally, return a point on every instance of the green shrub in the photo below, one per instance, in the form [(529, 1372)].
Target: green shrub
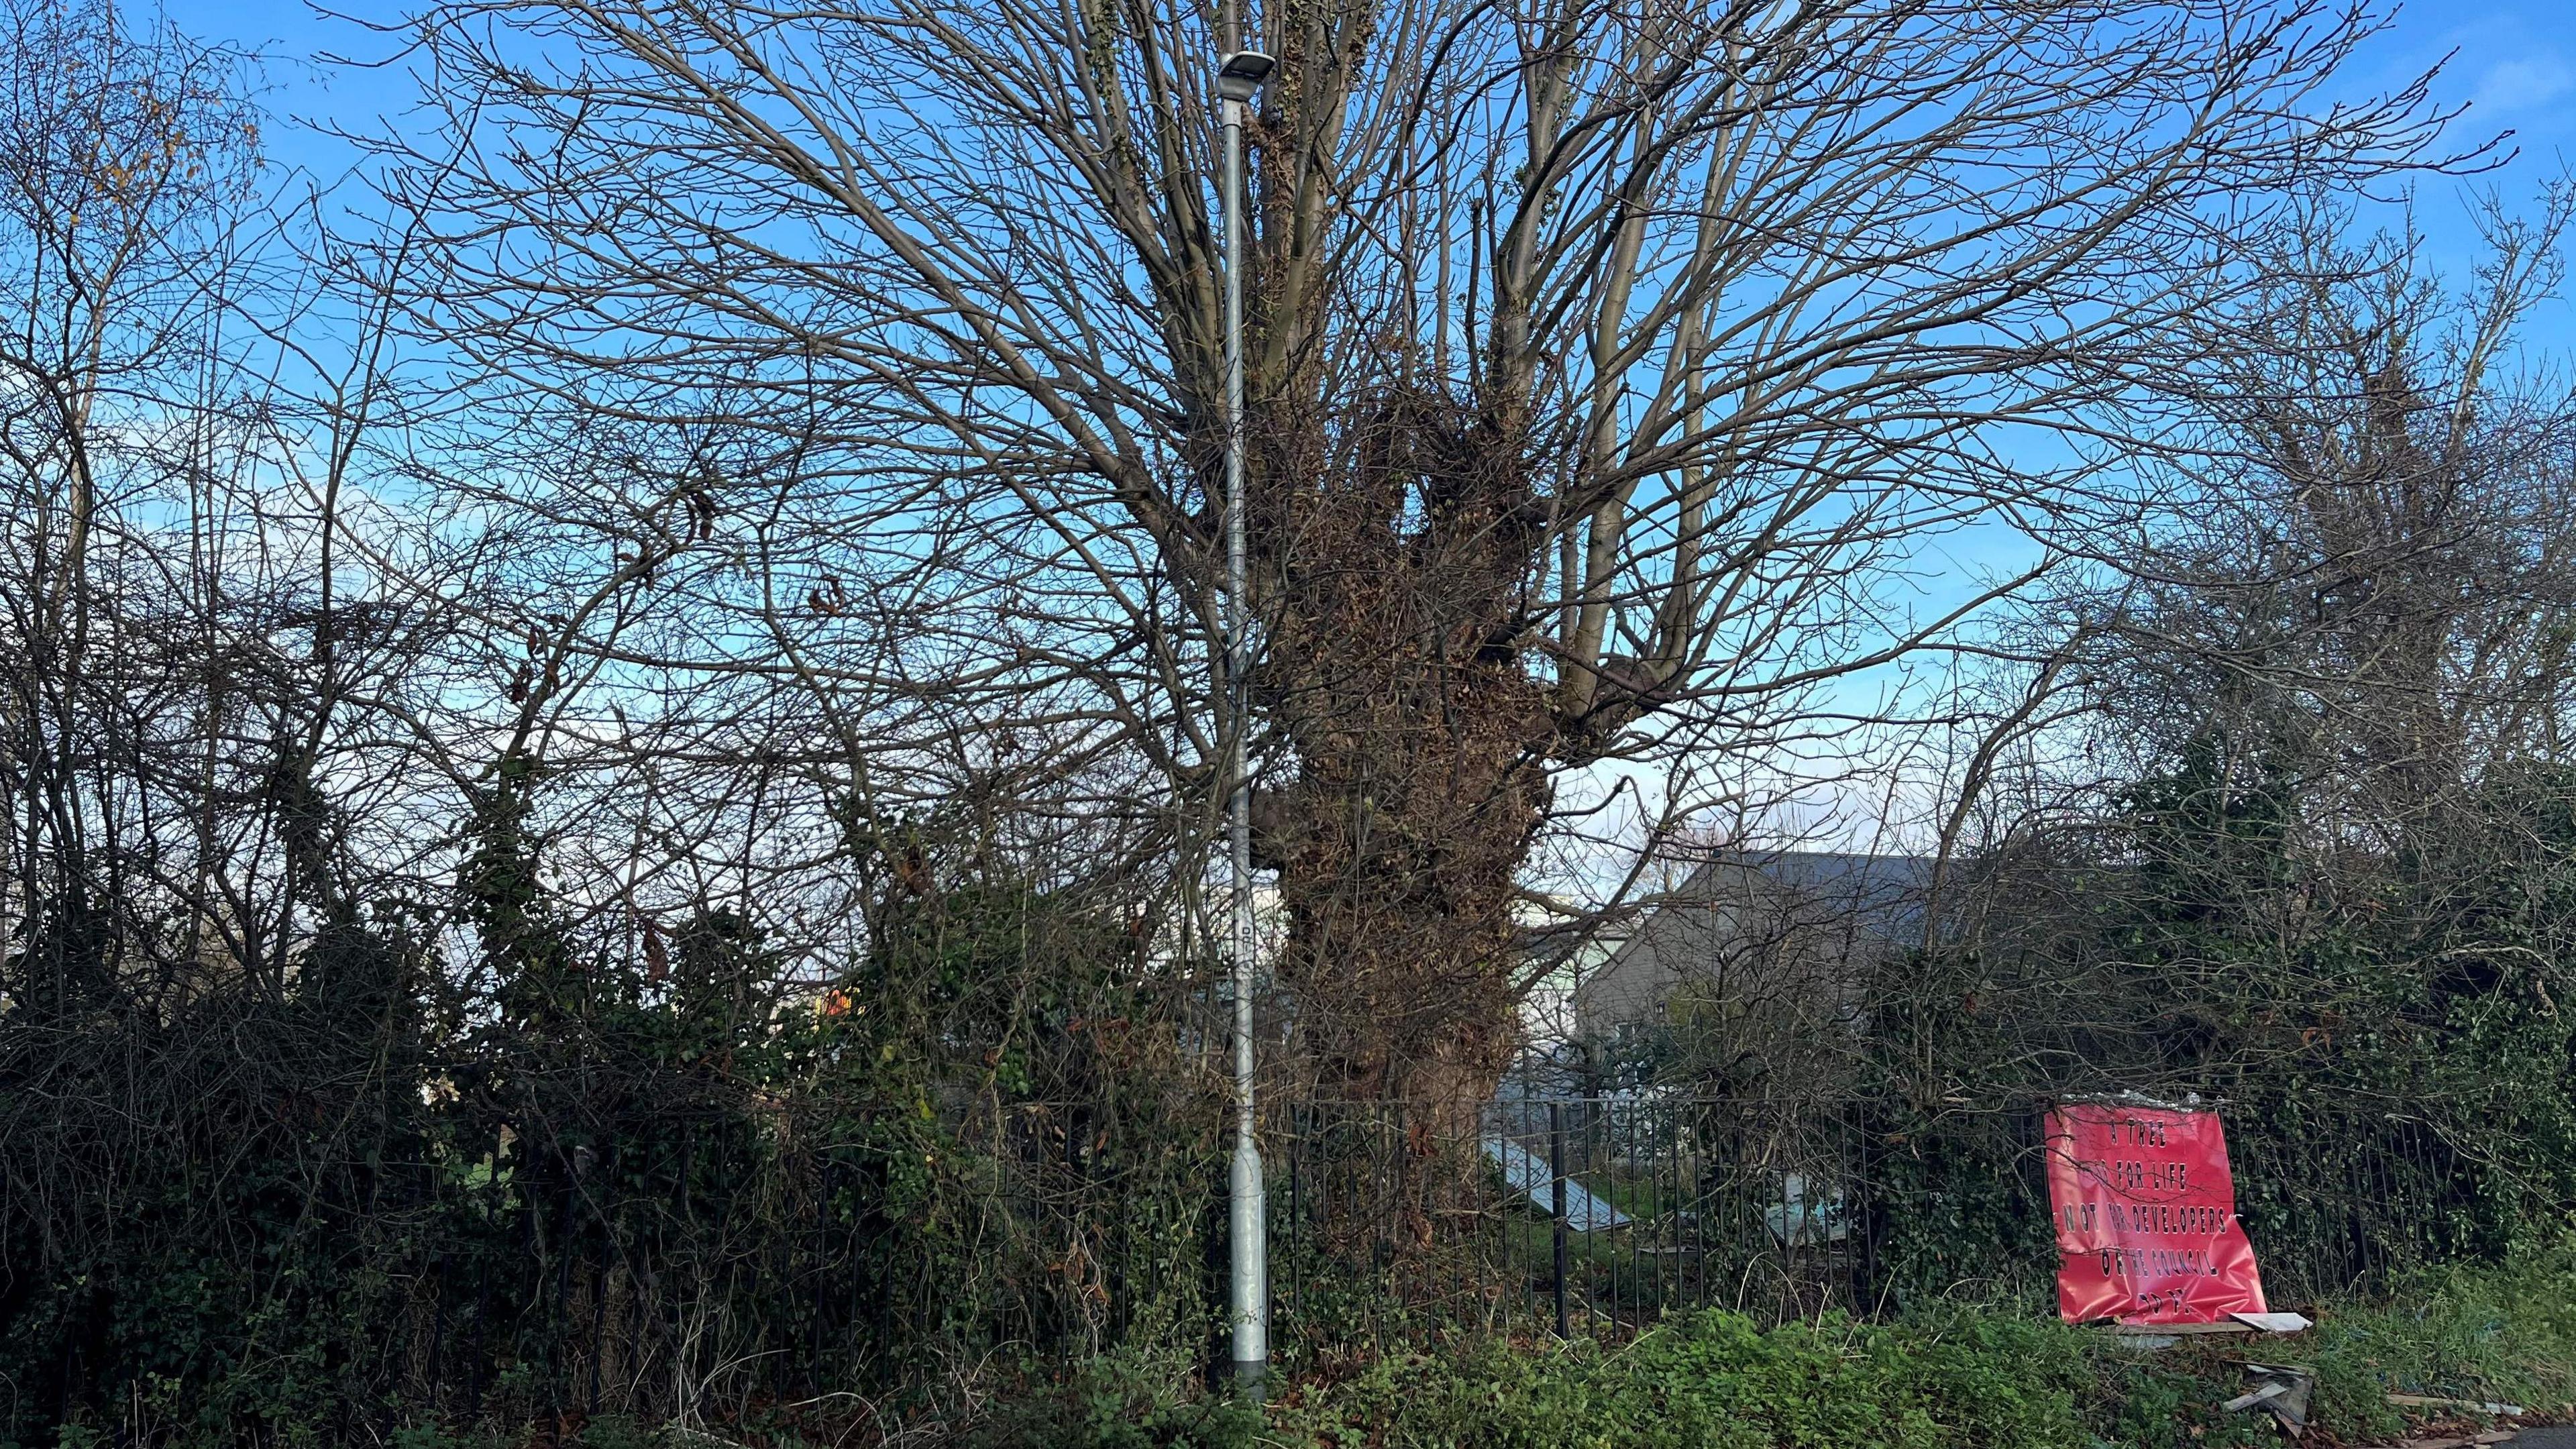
[(1956, 1377), (1716, 1379), (2505, 1333), (1945, 1377), (1120, 1401)]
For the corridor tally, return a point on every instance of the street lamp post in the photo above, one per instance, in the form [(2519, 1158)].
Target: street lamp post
[(1239, 77)]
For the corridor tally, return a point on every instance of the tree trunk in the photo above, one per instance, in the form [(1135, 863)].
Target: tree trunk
[(1403, 544)]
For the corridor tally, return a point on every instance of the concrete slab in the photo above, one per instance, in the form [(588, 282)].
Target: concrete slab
[(1528, 1174)]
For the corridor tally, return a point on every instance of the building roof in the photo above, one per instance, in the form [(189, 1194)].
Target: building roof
[(1748, 915)]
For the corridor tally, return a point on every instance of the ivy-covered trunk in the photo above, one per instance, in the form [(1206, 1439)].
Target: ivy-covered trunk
[(1418, 739)]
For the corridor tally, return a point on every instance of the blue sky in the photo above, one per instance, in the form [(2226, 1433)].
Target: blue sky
[(2511, 62)]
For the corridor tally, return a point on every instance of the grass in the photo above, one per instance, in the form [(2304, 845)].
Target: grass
[(1951, 1378), (2506, 1334)]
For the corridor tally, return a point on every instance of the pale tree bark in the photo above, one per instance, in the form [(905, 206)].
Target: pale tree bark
[(1614, 366)]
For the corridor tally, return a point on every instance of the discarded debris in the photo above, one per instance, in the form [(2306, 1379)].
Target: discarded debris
[(2282, 1390), (2146, 1337), (2471, 1406), (2274, 1322)]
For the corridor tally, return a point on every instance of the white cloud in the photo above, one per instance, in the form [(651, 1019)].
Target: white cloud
[(2532, 80)]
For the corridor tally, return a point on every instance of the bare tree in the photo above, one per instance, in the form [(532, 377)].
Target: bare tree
[(2276, 800), (1613, 366), (128, 234), (2369, 575)]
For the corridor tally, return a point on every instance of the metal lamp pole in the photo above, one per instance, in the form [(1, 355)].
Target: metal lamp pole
[(1239, 77)]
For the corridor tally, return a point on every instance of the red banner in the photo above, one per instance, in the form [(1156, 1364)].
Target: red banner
[(2146, 1217)]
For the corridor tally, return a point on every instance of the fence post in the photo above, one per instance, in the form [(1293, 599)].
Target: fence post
[(1297, 1125), (1556, 1192), (438, 1322)]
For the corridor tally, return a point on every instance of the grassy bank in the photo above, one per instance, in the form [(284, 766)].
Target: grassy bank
[(1957, 1379)]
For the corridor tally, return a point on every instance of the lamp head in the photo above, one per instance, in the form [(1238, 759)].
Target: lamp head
[(1239, 76)]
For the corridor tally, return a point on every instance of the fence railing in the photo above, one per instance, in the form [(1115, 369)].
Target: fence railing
[(603, 1282), (1599, 1214), (1568, 1216)]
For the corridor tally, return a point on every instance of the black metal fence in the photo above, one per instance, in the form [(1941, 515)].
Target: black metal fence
[(1577, 1215), (713, 1272), (1598, 1214), (595, 1280)]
